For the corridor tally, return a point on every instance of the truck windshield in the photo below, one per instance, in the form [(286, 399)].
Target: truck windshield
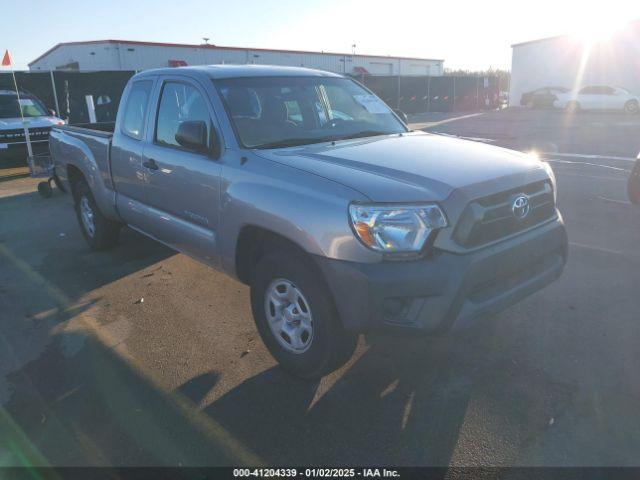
[(10, 106), (271, 112)]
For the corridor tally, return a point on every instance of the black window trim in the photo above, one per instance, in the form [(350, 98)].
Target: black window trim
[(212, 131), (146, 110)]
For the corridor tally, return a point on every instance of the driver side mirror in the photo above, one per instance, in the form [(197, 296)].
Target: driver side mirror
[(402, 115), (193, 135)]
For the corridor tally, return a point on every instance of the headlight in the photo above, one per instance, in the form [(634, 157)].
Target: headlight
[(552, 177), (395, 228)]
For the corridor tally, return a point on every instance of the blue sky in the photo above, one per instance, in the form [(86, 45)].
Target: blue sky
[(466, 33)]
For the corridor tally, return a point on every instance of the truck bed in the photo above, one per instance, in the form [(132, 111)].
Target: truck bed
[(88, 147)]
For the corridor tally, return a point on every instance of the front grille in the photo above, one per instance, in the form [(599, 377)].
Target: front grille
[(491, 218), (17, 135)]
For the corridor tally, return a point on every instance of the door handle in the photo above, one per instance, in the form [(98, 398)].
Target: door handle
[(150, 164)]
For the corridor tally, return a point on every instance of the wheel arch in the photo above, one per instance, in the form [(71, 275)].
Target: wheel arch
[(74, 175), (253, 243)]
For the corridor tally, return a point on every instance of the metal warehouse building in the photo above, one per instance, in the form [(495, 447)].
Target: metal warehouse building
[(133, 55), (566, 61)]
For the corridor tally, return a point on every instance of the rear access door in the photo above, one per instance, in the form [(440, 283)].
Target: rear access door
[(129, 175)]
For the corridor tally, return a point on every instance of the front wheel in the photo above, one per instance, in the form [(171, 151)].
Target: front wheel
[(99, 232), (296, 317)]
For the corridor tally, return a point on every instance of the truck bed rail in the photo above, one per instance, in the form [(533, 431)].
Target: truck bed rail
[(100, 129)]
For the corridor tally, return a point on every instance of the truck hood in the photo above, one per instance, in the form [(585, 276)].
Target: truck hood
[(416, 166), (32, 122)]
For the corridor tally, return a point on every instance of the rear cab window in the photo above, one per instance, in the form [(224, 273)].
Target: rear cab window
[(135, 111)]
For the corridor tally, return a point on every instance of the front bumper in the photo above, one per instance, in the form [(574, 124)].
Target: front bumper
[(446, 291)]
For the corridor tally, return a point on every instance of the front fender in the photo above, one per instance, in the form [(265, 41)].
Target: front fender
[(308, 210)]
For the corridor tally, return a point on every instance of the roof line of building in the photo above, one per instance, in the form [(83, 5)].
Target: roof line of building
[(633, 24), (218, 47), (554, 37)]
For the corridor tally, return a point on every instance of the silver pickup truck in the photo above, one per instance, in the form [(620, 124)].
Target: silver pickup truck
[(307, 187)]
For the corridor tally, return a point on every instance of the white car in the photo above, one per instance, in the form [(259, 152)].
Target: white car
[(598, 97)]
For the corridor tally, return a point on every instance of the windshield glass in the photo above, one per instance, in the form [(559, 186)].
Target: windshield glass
[(10, 106), (285, 111)]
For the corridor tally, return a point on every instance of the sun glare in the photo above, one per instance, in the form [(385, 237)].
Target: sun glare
[(592, 31), (598, 30)]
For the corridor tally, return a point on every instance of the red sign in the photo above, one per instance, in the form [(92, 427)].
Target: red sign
[(177, 63), (6, 60)]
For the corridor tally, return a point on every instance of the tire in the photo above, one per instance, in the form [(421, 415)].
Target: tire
[(573, 107), (99, 232), (632, 107), (326, 346), (633, 184), (58, 183)]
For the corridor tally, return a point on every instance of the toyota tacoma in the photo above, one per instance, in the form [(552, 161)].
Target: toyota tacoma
[(307, 187)]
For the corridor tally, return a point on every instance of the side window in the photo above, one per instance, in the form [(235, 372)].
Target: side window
[(135, 111), (179, 102), (587, 91), (599, 90)]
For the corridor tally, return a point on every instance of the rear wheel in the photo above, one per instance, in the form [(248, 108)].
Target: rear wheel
[(632, 107), (573, 107), (58, 183), (99, 232), (296, 317)]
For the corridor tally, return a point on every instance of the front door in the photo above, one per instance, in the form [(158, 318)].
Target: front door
[(184, 185)]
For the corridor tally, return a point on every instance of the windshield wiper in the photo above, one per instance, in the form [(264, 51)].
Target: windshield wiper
[(292, 142), (364, 133)]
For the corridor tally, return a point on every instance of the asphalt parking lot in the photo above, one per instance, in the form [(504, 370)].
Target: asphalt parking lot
[(141, 356)]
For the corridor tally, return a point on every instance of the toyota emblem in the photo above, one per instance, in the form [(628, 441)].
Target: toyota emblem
[(521, 207)]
